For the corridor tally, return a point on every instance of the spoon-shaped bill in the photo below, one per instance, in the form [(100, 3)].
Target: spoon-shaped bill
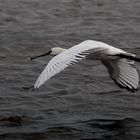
[(40, 55)]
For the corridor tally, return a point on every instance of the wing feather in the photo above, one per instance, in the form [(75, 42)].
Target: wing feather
[(124, 73), (63, 60)]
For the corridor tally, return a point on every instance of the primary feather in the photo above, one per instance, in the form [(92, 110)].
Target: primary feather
[(123, 73)]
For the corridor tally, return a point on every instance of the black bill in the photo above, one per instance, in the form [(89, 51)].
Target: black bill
[(40, 55)]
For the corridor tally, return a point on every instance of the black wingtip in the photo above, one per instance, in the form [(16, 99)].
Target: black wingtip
[(132, 89)]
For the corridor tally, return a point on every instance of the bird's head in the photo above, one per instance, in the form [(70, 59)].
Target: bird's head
[(54, 51)]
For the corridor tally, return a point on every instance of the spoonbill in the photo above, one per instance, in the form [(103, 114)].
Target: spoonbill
[(119, 63)]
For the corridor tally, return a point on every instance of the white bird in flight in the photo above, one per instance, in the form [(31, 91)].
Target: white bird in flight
[(119, 63)]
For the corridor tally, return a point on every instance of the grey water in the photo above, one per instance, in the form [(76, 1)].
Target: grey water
[(81, 103)]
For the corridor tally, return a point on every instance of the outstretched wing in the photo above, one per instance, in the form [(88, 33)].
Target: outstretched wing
[(123, 72), (63, 60)]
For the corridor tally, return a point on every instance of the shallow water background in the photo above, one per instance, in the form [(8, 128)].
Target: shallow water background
[(81, 103)]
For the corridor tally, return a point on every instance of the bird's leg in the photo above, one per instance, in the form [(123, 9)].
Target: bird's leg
[(130, 57)]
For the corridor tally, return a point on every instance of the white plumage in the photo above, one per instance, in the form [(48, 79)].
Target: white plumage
[(118, 62)]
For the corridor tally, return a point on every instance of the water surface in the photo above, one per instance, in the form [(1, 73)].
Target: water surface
[(82, 103)]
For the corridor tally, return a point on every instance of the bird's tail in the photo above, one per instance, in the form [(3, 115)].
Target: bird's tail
[(129, 56)]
